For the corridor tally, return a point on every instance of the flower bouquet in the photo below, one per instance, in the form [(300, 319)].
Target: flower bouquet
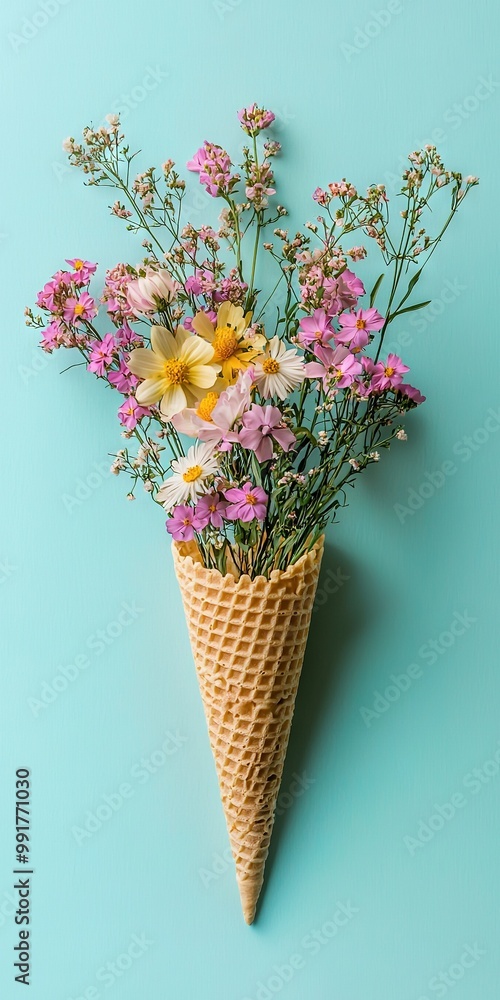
[(263, 348)]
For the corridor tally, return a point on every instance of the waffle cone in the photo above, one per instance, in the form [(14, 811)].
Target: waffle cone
[(248, 639)]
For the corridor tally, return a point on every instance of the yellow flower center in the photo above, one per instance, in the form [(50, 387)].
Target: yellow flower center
[(175, 371), (318, 335), (192, 473), (78, 265), (224, 343), (360, 324), (270, 366), (389, 372), (206, 406), (251, 499), (79, 309)]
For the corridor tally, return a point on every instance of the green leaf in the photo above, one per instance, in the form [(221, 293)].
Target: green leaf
[(305, 432), (413, 282), (375, 288), (409, 309)]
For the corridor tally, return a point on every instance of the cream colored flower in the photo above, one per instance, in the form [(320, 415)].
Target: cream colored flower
[(189, 476), (279, 371), (234, 348), (177, 370)]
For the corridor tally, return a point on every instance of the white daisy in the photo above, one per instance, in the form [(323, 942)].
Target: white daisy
[(189, 476), (280, 371)]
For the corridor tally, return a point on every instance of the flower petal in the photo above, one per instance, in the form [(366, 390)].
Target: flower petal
[(196, 351), (173, 400), (202, 376), (150, 391), (203, 326), (144, 363), (163, 343)]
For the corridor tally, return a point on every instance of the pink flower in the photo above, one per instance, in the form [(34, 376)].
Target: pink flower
[(342, 292), (82, 270), (76, 310), (247, 503), (411, 393), (254, 119), (150, 292), (102, 354), (320, 196), (213, 165), (388, 374), (261, 424), (335, 367), (53, 295), (51, 337), (359, 324), (181, 525), (315, 329), (130, 413), (210, 509), (122, 379)]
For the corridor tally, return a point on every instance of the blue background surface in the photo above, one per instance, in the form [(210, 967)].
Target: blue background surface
[(351, 96)]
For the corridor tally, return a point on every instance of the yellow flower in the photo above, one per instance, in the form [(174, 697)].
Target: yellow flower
[(177, 370), (234, 348)]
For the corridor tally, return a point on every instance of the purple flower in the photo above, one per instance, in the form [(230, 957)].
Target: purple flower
[(335, 367), (254, 119), (102, 355), (315, 329), (210, 509), (131, 412), (122, 379), (388, 374), (411, 393), (181, 524), (247, 503), (213, 165), (262, 424)]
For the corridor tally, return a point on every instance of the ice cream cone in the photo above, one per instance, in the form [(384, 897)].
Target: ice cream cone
[(248, 639)]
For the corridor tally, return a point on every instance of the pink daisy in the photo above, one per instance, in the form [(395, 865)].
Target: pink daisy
[(315, 329), (102, 354), (181, 525), (131, 412), (246, 503), (210, 509), (388, 374), (76, 310)]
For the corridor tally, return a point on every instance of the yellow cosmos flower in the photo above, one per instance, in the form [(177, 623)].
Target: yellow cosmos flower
[(177, 370), (234, 349)]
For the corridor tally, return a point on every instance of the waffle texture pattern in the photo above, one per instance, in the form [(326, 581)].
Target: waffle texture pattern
[(248, 639)]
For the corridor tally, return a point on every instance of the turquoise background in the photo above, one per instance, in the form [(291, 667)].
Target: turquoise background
[(351, 95)]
